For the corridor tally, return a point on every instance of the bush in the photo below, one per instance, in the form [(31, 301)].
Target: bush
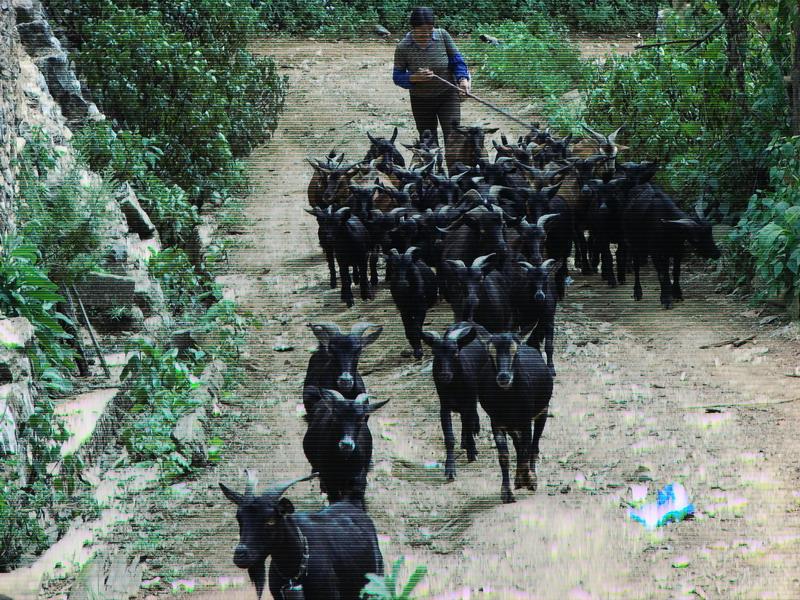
[(679, 110), (536, 59), (604, 15), (766, 241), (192, 100)]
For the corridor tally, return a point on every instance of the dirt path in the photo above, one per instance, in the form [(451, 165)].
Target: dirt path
[(628, 405)]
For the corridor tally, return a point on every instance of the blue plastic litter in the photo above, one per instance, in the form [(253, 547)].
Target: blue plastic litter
[(671, 505)]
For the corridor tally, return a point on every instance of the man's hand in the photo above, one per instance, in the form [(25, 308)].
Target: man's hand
[(421, 75), (465, 86)]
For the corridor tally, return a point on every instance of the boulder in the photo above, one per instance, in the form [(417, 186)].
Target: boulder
[(102, 291), (138, 220), (8, 430), (64, 86), (190, 437), (25, 11), (16, 332), (38, 38), (109, 578), (19, 398)]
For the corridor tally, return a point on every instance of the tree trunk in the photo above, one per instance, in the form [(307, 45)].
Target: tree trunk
[(735, 48)]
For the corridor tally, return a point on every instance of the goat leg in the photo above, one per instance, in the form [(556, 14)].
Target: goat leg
[(344, 275), (538, 429), (677, 292), (622, 262), (661, 264), (329, 256), (637, 284), (449, 443), (502, 454), (549, 334)]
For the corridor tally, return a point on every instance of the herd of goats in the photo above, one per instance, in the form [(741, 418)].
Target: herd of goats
[(490, 238)]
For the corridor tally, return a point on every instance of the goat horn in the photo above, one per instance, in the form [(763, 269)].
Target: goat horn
[(359, 328), (612, 137), (459, 177), (546, 265), (479, 262), (409, 253), (394, 252), (526, 265), (458, 265), (251, 483), (279, 490), (542, 221), (599, 138)]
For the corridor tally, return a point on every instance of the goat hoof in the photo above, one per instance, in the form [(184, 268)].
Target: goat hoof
[(507, 497), (612, 283), (349, 303), (532, 482), (472, 456), (417, 353), (450, 472)]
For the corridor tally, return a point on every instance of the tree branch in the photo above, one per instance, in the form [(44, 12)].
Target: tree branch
[(695, 42)]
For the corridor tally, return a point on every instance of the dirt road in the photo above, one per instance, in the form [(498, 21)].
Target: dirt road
[(636, 399)]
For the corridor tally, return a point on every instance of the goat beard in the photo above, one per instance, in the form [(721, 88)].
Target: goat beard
[(258, 575)]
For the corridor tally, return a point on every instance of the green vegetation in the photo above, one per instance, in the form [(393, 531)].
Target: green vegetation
[(535, 58), (185, 94), (386, 587), (356, 17)]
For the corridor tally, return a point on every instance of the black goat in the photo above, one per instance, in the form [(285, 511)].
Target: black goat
[(353, 244), (327, 224), (479, 293), (537, 306), (414, 291), (605, 227), (338, 444), (324, 555), (334, 365), (514, 388), (654, 226), (454, 374), (385, 151)]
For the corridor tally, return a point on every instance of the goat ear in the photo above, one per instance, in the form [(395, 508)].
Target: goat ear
[(234, 497), (465, 337), (373, 407), (366, 340), (372, 140), (620, 147), (285, 507), (431, 338), (483, 336), (491, 130), (525, 332), (394, 135), (311, 211), (685, 224)]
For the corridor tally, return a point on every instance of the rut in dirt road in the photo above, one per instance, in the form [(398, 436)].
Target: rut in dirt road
[(636, 401)]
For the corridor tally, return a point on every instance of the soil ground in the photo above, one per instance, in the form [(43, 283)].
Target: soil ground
[(637, 398)]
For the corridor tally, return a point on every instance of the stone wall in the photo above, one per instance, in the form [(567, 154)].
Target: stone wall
[(9, 86)]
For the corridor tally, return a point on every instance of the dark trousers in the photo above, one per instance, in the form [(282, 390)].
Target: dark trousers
[(444, 110)]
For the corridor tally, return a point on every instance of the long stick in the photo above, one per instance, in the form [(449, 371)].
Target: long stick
[(91, 333), (484, 102)]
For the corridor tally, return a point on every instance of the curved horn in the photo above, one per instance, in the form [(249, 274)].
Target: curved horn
[(526, 265), (278, 490), (409, 253), (548, 264), (482, 261), (458, 265), (359, 328), (394, 252), (599, 138), (542, 221), (324, 331), (613, 136), (251, 482)]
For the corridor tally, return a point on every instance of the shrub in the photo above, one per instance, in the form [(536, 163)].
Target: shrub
[(537, 59), (679, 110), (766, 241)]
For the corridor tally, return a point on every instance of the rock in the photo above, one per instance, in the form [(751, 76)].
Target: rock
[(16, 332), (37, 38), (19, 397), (8, 430), (138, 220), (190, 437), (64, 86), (25, 11), (101, 291), (182, 339), (109, 578), (14, 366)]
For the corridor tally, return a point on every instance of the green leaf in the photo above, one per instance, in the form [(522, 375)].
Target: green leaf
[(413, 581)]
